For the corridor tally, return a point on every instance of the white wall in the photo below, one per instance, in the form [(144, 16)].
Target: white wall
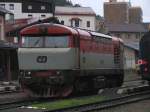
[(18, 12), (67, 18), (2, 32), (129, 58)]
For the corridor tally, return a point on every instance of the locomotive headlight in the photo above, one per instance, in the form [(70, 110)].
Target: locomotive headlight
[(21, 72), (57, 72), (29, 73)]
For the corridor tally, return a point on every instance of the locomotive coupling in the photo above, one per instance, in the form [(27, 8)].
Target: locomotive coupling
[(53, 80)]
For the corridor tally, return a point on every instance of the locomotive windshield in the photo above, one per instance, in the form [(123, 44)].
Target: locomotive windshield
[(47, 42)]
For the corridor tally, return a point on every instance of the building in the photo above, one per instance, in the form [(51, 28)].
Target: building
[(3, 12), (70, 16), (135, 15), (130, 33), (8, 64), (116, 12), (131, 54), (82, 17), (28, 8)]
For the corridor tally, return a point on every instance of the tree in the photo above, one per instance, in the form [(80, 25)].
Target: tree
[(63, 3), (77, 5)]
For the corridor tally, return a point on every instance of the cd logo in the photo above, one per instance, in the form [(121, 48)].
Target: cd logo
[(41, 59)]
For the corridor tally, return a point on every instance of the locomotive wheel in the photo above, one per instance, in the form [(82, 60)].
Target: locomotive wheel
[(84, 85), (79, 86), (120, 80), (114, 81), (148, 82), (66, 91)]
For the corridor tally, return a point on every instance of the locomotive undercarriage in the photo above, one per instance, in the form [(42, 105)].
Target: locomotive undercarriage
[(64, 83)]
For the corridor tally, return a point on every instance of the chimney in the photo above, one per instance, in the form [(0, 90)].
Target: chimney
[(112, 0)]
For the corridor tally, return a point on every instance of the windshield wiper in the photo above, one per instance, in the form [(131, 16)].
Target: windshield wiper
[(36, 42)]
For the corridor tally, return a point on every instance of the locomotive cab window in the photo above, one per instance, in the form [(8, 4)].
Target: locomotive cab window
[(61, 41), (47, 42)]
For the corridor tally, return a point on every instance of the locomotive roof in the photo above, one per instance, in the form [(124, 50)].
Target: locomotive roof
[(61, 29), (51, 29), (100, 34)]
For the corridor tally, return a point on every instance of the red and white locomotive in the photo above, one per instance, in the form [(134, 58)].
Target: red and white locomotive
[(56, 60)]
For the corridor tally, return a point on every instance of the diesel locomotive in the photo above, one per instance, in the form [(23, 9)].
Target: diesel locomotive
[(57, 60), (144, 60)]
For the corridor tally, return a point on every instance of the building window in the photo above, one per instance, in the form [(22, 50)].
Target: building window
[(128, 36), (62, 22), (30, 16), (2, 5), (11, 18), (11, 6), (29, 7), (75, 22), (43, 7), (137, 36), (43, 16), (88, 24), (118, 35)]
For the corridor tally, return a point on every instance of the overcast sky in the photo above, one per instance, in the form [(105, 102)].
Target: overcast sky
[(97, 6)]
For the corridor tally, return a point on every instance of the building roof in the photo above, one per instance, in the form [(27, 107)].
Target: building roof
[(19, 1), (132, 45), (118, 2), (126, 28), (74, 11), (147, 25), (6, 45), (4, 11)]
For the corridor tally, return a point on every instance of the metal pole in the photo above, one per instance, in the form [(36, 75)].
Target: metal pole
[(53, 7)]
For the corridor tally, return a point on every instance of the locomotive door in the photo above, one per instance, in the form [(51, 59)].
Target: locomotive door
[(76, 41), (117, 55)]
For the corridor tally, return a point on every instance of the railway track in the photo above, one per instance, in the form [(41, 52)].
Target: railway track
[(9, 92), (125, 99), (11, 105), (8, 87), (120, 100)]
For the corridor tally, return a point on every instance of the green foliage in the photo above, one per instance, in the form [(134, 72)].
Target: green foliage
[(69, 102), (77, 5), (63, 3)]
